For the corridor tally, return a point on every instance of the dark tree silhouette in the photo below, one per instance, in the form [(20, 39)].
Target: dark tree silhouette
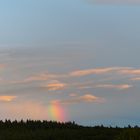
[(52, 130)]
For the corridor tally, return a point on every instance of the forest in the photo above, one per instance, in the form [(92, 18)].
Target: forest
[(51, 130)]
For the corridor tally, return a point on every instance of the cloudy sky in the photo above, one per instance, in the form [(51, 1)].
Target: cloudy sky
[(70, 60)]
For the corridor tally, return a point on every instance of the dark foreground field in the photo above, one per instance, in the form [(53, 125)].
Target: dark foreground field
[(37, 130)]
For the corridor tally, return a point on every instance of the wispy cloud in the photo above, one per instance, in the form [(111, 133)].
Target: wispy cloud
[(110, 86), (135, 79), (38, 77), (87, 98), (7, 98), (97, 71), (54, 85), (130, 71), (2, 66), (106, 86), (46, 76), (92, 71), (72, 95), (52, 81)]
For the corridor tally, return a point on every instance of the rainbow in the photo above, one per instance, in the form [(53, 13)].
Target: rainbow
[(56, 112)]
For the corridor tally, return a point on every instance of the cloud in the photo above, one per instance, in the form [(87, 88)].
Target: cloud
[(87, 98), (78, 73), (135, 79), (112, 74), (107, 70), (2, 66), (107, 86), (7, 98), (55, 85), (72, 95), (130, 71), (95, 71), (45, 76), (39, 77), (110, 86), (114, 1)]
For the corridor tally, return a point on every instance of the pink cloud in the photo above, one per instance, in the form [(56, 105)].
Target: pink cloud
[(135, 79), (116, 70), (130, 71), (39, 77), (110, 86), (2, 66), (55, 85), (87, 98), (96, 71), (73, 95), (7, 98)]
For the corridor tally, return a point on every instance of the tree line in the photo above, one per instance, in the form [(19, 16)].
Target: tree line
[(52, 130)]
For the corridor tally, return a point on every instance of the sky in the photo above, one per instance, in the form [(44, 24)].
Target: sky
[(70, 60)]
